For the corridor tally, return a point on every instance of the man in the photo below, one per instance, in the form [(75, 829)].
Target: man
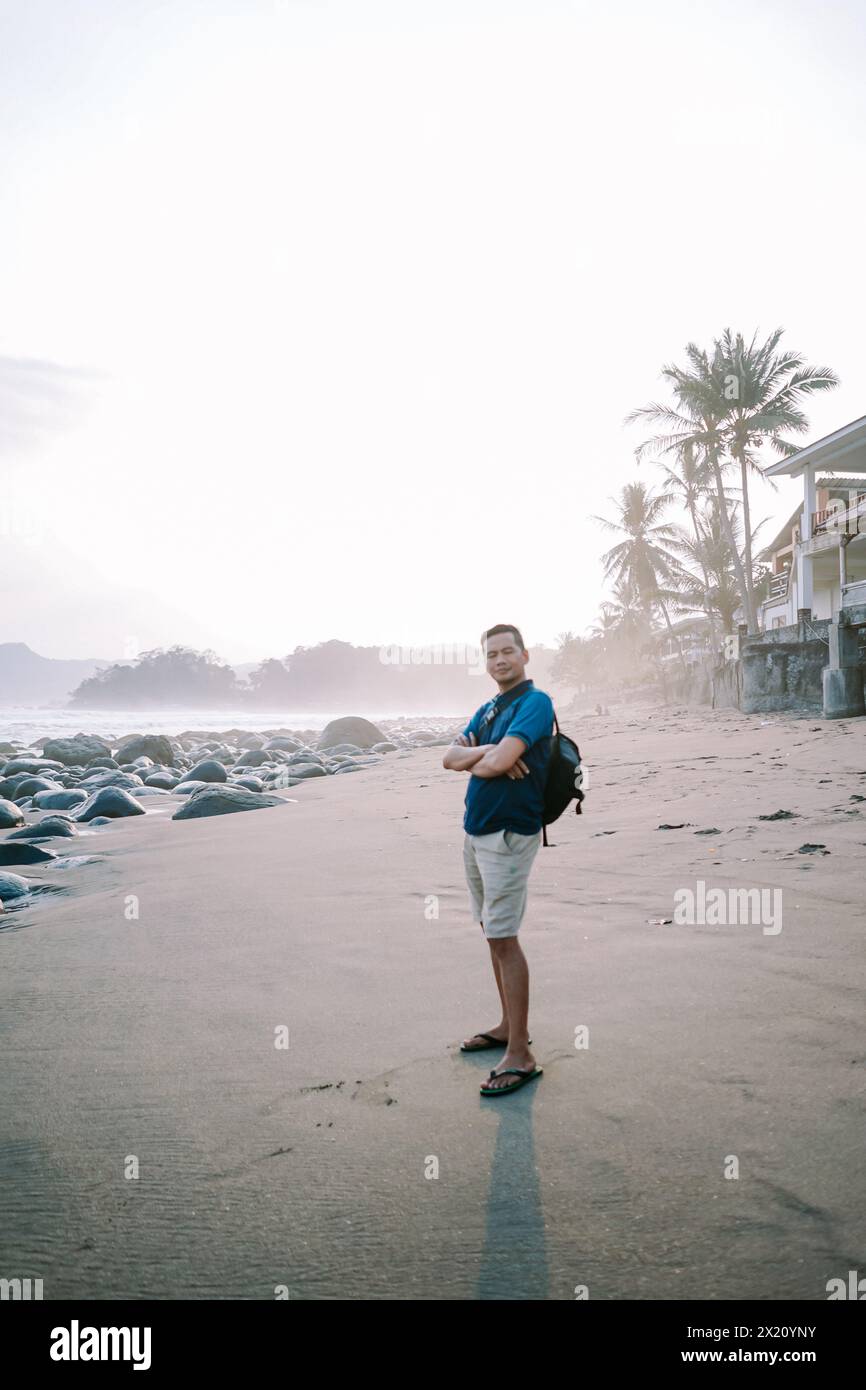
[(505, 747)]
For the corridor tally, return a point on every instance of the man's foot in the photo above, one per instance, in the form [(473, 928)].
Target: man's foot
[(479, 1042), (524, 1060)]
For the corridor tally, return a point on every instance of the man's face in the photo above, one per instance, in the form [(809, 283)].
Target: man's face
[(505, 660)]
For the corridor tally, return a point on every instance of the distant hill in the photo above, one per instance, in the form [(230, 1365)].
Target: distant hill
[(330, 676), (26, 678)]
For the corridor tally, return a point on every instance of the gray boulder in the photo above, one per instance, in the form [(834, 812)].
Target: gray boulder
[(256, 757), (10, 814), (187, 788), (65, 800), (222, 800), (352, 729), (75, 752), (155, 746), (13, 886), (208, 771), (109, 801), (30, 765), (31, 785), (22, 853), (8, 785), (282, 778), (46, 828), (167, 780), (127, 780)]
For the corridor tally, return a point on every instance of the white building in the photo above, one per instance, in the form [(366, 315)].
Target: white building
[(818, 560)]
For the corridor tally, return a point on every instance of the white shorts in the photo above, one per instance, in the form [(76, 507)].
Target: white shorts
[(497, 872)]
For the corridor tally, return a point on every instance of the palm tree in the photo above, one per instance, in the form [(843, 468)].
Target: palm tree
[(642, 560), (696, 424), (763, 390), (728, 405), (690, 483), (715, 591), (569, 662), (619, 634)]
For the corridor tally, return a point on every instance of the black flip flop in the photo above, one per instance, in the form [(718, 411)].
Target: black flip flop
[(516, 1085), (492, 1042)]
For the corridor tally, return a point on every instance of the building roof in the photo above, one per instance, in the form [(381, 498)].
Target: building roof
[(694, 623), (783, 538), (849, 443), (856, 484)]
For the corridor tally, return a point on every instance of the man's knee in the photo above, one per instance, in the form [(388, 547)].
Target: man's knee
[(504, 945)]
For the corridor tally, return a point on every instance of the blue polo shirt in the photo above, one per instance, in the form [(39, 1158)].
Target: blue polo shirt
[(512, 803)]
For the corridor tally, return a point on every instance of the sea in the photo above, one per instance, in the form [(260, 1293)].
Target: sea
[(32, 724)]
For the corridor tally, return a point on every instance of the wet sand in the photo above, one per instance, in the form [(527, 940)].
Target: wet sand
[(305, 1167)]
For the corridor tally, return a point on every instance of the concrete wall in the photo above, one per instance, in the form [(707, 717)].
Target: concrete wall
[(782, 669), (726, 682), (777, 670)]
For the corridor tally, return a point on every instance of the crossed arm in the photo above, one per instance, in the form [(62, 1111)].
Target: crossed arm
[(487, 759)]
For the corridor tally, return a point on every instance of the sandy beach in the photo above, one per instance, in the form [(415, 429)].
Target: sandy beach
[(153, 1038)]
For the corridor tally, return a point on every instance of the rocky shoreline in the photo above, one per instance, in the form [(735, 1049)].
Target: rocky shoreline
[(51, 787)]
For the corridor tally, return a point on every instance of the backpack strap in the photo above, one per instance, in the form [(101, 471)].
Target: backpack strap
[(494, 710), (544, 827)]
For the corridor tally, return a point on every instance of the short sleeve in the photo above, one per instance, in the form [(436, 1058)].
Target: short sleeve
[(534, 719), (472, 726)]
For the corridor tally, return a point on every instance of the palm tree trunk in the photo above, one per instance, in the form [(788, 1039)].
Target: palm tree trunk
[(751, 611), (728, 529), (698, 543), (655, 659), (671, 633)]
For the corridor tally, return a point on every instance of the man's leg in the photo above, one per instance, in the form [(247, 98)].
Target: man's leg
[(475, 884), (514, 971), (506, 863), (501, 1029)]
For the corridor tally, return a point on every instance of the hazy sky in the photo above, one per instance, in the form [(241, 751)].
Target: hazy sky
[(321, 318)]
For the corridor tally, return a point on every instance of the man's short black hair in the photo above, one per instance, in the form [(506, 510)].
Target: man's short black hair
[(504, 627)]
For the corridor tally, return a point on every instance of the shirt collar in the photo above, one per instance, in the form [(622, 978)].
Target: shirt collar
[(505, 696)]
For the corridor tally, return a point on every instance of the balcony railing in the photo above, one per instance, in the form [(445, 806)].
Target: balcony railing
[(822, 521), (779, 584)]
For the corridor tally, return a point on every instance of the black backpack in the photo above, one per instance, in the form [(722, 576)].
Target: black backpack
[(564, 770), (564, 778)]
